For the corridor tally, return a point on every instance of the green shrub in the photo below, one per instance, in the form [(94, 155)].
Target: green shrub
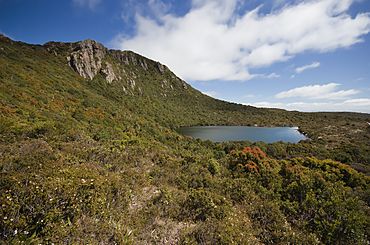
[(202, 205), (213, 167)]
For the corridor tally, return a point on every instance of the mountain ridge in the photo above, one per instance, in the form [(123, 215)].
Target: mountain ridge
[(128, 73), (123, 56), (93, 52)]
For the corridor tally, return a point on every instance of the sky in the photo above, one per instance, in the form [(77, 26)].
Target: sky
[(306, 55)]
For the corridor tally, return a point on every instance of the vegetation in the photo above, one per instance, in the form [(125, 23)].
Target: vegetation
[(90, 162)]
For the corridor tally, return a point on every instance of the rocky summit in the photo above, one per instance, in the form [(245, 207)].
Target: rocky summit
[(89, 58)]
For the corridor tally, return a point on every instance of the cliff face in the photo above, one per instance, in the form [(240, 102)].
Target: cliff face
[(89, 58)]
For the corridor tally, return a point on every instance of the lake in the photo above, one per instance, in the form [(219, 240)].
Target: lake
[(243, 133)]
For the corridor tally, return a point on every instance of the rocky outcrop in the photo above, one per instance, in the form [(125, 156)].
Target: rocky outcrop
[(130, 58), (108, 73), (87, 58), (161, 68)]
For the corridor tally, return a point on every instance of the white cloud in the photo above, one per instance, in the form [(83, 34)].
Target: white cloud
[(269, 76), (273, 75), (325, 91), (214, 42), (158, 7), (328, 96), (354, 105), (91, 4), (359, 102), (307, 67)]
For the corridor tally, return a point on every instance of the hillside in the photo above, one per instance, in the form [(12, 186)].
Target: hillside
[(89, 153)]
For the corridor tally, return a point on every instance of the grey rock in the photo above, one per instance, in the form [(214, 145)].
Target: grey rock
[(130, 58), (120, 56), (108, 73), (87, 57), (144, 65), (161, 68)]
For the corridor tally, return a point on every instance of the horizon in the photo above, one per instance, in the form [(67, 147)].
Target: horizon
[(325, 68)]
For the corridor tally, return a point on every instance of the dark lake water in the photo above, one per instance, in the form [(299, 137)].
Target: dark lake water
[(240, 133)]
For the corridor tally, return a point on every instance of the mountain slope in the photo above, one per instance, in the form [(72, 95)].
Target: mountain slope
[(68, 79), (89, 154)]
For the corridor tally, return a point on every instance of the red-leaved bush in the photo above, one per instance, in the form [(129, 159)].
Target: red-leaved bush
[(247, 160)]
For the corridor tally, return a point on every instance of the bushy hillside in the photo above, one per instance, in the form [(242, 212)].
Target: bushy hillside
[(89, 154)]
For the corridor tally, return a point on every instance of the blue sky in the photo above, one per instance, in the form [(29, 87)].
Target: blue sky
[(311, 55)]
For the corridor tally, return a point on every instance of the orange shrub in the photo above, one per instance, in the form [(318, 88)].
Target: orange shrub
[(255, 151), (247, 160)]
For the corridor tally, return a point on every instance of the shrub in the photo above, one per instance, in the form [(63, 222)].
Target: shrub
[(202, 205), (213, 167)]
